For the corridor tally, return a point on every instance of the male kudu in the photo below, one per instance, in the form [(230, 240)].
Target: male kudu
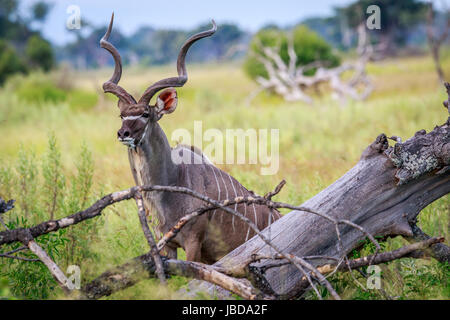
[(212, 235)]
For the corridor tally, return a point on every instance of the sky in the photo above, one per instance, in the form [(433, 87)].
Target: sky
[(132, 14)]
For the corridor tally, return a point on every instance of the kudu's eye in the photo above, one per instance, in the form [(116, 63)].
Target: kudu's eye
[(145, 115)]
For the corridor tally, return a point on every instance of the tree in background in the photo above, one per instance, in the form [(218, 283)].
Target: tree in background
[(154, 47), (21, 47), (40, 10), (398, 18), (290, 64), (10, 63), (85, 51), (308, 46), (332, 29), (150, 46), (8, 7), (39, 53), (231, 42)]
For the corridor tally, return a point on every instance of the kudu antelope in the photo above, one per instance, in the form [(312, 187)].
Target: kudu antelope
[(211, 235)]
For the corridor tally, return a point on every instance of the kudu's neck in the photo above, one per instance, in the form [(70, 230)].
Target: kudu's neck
[(152, 159)]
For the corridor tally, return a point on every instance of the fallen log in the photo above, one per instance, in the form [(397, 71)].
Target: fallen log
[(383, 193)]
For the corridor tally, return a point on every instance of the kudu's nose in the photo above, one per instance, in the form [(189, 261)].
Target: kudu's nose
[(123, 133)]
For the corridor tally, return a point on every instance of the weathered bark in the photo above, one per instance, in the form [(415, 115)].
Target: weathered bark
[(384, 193)]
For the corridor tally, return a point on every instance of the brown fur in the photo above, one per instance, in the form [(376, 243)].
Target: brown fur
[(212, 235)]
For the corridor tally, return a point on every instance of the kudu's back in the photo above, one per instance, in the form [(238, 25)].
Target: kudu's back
[(218, 232)]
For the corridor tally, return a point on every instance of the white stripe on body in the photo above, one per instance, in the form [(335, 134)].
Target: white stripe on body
[(245, 212), (235, 206), (226, 190), (218, 186)]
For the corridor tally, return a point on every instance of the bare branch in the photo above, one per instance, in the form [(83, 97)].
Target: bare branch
[(4, 255), (56, 272), (438, 250), (9, 255), (384, 257), (151, 241), (10, 236)]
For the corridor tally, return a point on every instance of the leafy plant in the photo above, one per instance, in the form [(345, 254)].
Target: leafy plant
[(308, 47), (41, 195), (39, 52)]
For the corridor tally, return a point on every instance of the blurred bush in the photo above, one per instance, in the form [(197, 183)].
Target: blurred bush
[(9, 61), (22, 45), (308, 46), (81, 99), (38, 89), (41, 89), (39, 53)]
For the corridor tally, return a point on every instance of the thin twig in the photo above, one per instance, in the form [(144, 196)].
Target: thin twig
[(151, 241), (56, 272), (9, 255), (3, 255)]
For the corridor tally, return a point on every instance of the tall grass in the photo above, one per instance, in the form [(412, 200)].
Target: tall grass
[(58, 174), (43, 192)]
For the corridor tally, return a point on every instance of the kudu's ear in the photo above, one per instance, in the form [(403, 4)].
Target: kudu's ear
[(166, 101)]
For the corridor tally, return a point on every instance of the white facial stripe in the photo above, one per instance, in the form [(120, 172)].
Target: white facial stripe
[(131, 118), (143, 136), (135, 118)]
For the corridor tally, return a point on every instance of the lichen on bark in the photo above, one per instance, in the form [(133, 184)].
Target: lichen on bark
[(421, 154)]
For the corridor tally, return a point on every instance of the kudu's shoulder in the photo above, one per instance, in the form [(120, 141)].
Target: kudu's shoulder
[(189, 155), (197, 166)]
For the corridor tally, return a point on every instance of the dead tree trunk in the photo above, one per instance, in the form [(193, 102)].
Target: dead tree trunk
[(384, 193)]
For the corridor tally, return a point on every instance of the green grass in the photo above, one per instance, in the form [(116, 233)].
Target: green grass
[(318, 144)]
